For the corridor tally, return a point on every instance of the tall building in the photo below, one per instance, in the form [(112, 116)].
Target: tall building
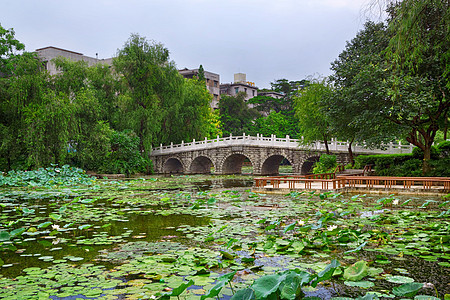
[(46, 54), (212, 81), (240, 84)]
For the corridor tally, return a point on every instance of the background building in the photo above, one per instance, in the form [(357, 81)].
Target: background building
[(48, 53), (272, 94), (240, 84), (212, 81)]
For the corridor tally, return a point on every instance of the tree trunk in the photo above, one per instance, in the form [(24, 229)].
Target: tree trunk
[(426, 160), (424, 143), (445, 129), (350, 152), (326, 146)]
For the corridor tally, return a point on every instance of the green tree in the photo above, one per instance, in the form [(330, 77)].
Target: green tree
[(358, 89), (312, 121), (147, 75), (419, 83), (266, 104), (275, 123), (235, 115), (191, 121), (9, 46), (201, 74), (22, 90)]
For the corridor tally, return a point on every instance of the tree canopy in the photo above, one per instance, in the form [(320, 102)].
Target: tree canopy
[(96, 117), (312, 120)]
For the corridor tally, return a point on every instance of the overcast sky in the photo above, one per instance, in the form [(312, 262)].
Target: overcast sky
[(266, 39)]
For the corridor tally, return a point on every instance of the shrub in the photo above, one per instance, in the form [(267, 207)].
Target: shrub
[(418, 153), (440, 167), (326, 164), (91, 151), (444, 149), (125, 156), (54, 175), (381, 160)]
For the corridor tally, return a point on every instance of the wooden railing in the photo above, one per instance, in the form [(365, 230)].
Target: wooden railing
[(299, 182), (405, 182), (306, 182), (321, 176)]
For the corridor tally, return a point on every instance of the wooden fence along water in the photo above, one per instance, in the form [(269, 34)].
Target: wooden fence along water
[(329, 181)]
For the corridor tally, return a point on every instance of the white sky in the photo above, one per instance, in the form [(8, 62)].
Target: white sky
[(267, 40)]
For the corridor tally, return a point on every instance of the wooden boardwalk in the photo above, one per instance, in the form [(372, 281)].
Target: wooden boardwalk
[(358, 184)]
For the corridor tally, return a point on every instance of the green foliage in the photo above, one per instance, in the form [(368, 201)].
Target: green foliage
[(326, 164), (312, 121), (51, 176), (408, 165), (285, 285), (201, 74), (236, 117), (72, 116), (275, 123), (444, 149), (418, 153), (125, 156), (353, 107), (397, 73), (356, 272), (9, 45)]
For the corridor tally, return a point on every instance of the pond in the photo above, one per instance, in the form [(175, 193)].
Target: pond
[(145, 238)]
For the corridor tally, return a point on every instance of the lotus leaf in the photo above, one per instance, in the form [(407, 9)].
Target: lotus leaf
[(399, 279), (356, 272), (327, 273), (407, 289), (245, 294), (361, 284), (4, 236)]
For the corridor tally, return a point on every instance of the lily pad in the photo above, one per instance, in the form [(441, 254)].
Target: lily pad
[(399, 279), (356, 272), (361, 284), (407, 289)]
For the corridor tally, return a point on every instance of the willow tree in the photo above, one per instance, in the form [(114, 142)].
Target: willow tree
[(420, 82), (417, 78), (152, 85), (313, 123)]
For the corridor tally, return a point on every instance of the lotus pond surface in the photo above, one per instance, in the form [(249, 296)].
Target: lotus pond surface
[(199, 237)]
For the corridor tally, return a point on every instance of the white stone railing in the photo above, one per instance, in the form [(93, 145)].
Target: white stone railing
[(274, 142)]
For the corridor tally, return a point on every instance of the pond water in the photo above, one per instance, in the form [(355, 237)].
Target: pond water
[(139, 238)]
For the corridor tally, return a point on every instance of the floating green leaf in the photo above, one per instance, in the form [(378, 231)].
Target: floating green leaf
[(407, 289), (361, 284), (44, 225), (356, 272), (399, 279)]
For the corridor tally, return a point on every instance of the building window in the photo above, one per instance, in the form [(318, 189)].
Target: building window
[(253, 93), (215, 83), (245, 90), (236, 90)]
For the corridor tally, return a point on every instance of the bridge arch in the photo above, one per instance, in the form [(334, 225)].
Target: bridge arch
[(173, 165), (201, 165), (232, 164), (271, 164), (308, 164)]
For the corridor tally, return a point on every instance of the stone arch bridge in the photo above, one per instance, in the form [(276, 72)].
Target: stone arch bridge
[(227, 155)]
